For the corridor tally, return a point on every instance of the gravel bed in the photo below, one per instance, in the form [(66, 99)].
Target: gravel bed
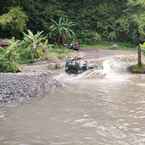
[(24, 85)]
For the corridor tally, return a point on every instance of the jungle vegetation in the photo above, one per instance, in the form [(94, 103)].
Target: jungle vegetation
[(36, 26), (115, 20)]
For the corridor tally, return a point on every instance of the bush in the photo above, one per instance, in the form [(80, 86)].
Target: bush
[(14, 22), (8, 58), (33, 46), (89, 37), (139, 69)]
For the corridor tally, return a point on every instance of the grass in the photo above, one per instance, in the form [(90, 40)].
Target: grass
[(111, 45), (58, 52), (53, 52), (140, 69)]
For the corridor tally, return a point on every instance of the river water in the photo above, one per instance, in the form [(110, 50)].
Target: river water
[(104, 107)]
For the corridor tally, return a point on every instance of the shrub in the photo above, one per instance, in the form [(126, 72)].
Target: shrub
[(89, 37), (33, 46), (139, 69), (14, 22), (112, 36), (8, 58)]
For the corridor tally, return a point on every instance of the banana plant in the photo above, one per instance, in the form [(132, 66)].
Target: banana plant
[(11, 51), (8, 61), (62, 30), (35, 42)]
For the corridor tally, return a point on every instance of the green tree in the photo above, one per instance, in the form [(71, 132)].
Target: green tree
[(14, 22), (62, 30), (118, 20)]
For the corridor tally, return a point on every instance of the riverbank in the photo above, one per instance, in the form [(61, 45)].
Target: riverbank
[(110, 45), (20, 86), (37, 79)]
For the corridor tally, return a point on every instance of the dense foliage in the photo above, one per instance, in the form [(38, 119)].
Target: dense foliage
[(9, 56), (32, 47), (121, 20), (61, 31), (13, 23)]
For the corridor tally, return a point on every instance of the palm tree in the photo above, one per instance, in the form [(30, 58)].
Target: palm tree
[(62, 30)]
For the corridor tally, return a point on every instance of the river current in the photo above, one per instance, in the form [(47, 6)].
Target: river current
[(99, 107)]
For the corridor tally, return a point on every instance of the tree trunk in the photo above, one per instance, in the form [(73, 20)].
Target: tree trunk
[(139, 56), (59, 40)]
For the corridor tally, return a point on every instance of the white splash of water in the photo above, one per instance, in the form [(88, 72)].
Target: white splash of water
[(112, 69)]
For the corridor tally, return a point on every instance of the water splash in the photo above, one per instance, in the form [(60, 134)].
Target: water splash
[(111, 68), (115, 69)]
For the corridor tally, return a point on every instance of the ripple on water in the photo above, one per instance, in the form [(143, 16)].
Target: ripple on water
[(111, 131), (92, 124), (105, 111), (2, 115)]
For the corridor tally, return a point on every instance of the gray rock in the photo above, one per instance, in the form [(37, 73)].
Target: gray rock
[(20, 86)]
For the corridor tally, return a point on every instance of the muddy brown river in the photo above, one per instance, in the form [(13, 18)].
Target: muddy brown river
[(106, 110)]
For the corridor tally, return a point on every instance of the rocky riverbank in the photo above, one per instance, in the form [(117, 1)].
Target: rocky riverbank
[(16, 87), (37, 79)]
